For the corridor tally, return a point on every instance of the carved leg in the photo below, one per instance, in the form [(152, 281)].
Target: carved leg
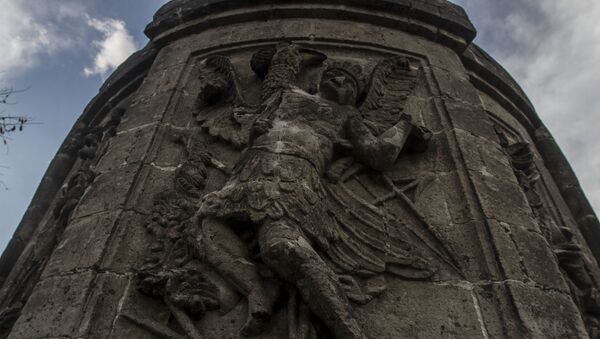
[(288, 253), (226, 253)]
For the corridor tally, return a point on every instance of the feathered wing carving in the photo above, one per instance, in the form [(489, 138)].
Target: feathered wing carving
[(391, 84), (369, 241), (225, 113), (365, 246)]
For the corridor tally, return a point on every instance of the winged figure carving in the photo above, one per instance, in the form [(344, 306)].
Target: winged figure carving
[(290, 187)]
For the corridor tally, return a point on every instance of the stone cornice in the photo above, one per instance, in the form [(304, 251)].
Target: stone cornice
[(436, 20), (492, 78)]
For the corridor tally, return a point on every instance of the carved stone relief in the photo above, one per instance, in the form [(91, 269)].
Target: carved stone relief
[(288, 224)]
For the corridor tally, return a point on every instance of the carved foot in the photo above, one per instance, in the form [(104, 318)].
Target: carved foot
[(259, 314)]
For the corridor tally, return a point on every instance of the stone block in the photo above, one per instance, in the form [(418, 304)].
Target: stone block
[(137, 310), (436, 200), (55, 308), (470, 118), (145, 109), (503, 201), (161, 80), (478, 260), (484, 156), (422, 109), (152, 180), (455, 85), (169, 149), (177, 52), (507, 251), (128, 245), (423, 310), (538, 258), (547, 314), (83, 243), (129, 147), (497, 309), (444, 162), (183, 114), (103, 305), (108, 192)]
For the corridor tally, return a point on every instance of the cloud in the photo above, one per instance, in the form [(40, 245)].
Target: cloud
[(552, 47), (32, 30), (25, 36), (114, 47)]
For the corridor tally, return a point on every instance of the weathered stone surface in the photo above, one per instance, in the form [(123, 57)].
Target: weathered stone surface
[(306, 169), (109, 191), (105, 302), (54, 308), (130, 240), (472, 119), (539, 310), (126, 148), (144, 111), (83, 244), (425, 311)]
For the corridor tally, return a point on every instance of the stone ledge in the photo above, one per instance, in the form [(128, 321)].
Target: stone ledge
[(484, 66), (174, 17)]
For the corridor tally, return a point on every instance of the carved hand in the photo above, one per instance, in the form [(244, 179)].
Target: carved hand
[(294, 55), (260, 127), (288, 54), (398, 133), (378, 152)]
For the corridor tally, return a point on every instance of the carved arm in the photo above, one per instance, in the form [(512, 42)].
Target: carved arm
[(287, 62), (378, 152), (283, 71)]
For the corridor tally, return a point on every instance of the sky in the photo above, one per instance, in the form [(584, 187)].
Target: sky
[(62, 50), (552, 49)]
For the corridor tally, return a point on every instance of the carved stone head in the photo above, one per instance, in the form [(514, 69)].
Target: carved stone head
[(342, 82)]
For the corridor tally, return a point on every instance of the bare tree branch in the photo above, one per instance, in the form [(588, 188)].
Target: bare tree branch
[(10, 124)]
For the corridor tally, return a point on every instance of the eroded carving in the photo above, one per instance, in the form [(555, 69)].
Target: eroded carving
[(571, 258), (285, 217)]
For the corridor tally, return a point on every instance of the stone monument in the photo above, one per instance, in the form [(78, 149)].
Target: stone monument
[(306, 170)]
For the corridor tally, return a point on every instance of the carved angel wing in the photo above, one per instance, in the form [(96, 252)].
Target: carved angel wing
[(223, 112), (371, 241), (391, 83)]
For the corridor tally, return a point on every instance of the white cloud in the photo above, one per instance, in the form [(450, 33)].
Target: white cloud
[(552, 47), (114, 47), (24, 37), (32, 30)]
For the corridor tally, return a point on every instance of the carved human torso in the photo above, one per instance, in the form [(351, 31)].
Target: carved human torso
[(305, 126), (279, 174)]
